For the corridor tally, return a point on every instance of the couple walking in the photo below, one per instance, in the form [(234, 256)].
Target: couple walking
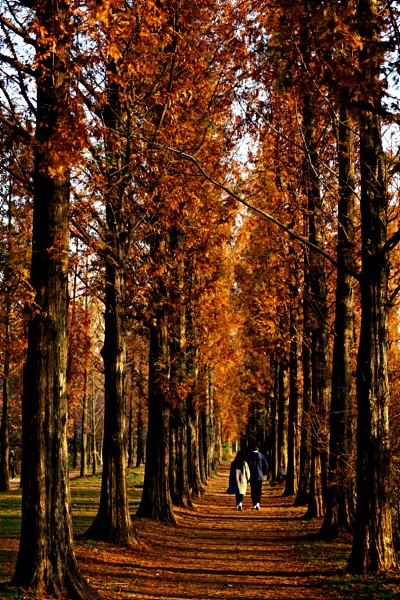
[(250, 467)]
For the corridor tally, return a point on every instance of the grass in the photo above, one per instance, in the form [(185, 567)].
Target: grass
[(334, 554), (85, 494)]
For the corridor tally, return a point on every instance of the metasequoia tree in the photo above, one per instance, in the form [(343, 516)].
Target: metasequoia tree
[(156, 497), (318, 185), (85, 336), (339, 498), (316, 314), (180, 381), (373, 537), (14, 240), (137, 351), (113, 521), (46, 559), (373, 547), (196, 87), (294, 390), (263, 288)]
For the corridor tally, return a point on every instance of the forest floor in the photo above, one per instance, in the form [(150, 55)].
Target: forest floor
[(214, 551)]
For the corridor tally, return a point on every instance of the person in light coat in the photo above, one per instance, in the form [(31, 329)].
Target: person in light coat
[(239, 475)]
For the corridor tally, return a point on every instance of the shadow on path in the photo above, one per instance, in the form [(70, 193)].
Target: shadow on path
[(215, 552)]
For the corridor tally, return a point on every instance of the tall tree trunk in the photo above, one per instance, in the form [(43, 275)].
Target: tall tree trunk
[(94, 429), (139, 436), (5, 444), (75, 446), (209, 422), (218, 450), (201, 433), (305, 442), (283, 418), (46, 559), (178, 466), (339, 497), (113, 521), (84, 422), (291, 473), (156, 497), (85, 404), (130, 429), (275, 421), (319, 313), (194, 476), (5, 424), (195, 482), (373, 549)]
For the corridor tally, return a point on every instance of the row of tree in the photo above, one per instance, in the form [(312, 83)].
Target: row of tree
[(124, 133)]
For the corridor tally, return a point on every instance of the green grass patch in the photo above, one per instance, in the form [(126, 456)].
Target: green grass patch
[(10, 513), (10, 524), (85, 496), (333, 555), (379, 587)]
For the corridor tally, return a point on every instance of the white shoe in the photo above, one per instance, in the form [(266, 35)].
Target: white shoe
[(257, 506), (239, 507)]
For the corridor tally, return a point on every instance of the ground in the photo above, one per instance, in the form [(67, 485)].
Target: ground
[(214, 551)]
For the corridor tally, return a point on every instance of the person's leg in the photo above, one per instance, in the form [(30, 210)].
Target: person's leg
[(254, 492), (239, 501), (258, 494)]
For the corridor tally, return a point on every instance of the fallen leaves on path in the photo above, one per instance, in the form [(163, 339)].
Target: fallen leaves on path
[(214, 551)]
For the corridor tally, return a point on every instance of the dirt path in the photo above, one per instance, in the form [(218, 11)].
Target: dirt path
[(216, 552)]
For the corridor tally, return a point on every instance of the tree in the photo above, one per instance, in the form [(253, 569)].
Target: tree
[(15, 216), (340, 501), (46, 559), (113, 521), (373, 549)]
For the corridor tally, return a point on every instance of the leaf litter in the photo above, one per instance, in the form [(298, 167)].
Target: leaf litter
[(214, 551)]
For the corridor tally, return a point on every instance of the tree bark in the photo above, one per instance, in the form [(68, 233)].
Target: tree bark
[(5, 421), (209, 422), (293, 424), (283, 419), (340, 496), (113, 521), (373, 549), (178, 467), (5, 424), (84, 424), (305, 443), (139, 436), (156, 500), (85, 404), (318, 315), (130, 430), (275, 421), (194, 476)]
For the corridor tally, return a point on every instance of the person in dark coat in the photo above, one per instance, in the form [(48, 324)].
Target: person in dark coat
[(239, 475), (258, 468)]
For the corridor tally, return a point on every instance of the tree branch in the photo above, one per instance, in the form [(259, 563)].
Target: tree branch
[(391, 243), (6, 23), (16, 128), (17, 65), (253, 208)]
